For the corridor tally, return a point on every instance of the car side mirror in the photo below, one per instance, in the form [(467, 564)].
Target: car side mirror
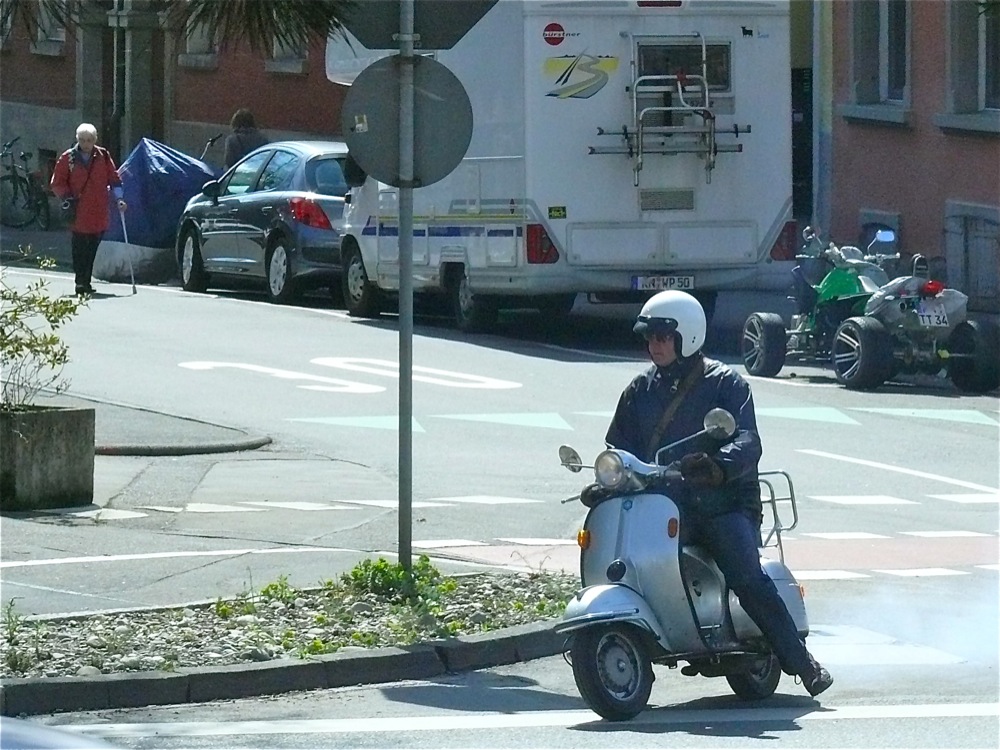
[(211, 189)]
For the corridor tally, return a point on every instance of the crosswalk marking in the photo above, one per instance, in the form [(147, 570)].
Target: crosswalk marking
[(808, 413), (969, 416), (863, 500), (296, 505), (989, 567), (96, 514), (529, 542), (219, 508), (940, 534), (549, 420), (445, 543)]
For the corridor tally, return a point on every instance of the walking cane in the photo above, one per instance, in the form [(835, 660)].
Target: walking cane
[(128, 253)]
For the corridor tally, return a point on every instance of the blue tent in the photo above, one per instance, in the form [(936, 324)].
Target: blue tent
[(157, 182)]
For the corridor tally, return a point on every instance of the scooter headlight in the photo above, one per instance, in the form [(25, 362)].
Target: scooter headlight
[(609, 470)]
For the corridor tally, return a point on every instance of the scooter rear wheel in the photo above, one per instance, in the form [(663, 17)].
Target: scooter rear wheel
[(759, 682), (612, 670)]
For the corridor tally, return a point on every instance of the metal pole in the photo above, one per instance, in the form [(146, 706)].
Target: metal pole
[(406, 283)]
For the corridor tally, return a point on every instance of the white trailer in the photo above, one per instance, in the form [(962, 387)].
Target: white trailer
[(619, 147)]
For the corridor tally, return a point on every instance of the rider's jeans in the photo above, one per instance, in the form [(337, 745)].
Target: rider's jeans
[(732, 540)]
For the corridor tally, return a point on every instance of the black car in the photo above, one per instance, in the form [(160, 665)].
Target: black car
[(275, 218)]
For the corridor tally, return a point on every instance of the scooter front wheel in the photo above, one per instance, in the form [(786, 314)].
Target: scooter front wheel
[(759, 682), (612, 670)]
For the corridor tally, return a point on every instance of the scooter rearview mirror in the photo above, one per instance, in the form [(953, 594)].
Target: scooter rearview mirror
[(885, 235), (569, 458), (720, 424)]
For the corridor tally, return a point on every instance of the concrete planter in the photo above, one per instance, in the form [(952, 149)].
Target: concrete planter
[(47, 458)]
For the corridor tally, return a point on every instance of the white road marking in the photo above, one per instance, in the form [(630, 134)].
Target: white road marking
[(863, 500), (485, 500), (219, 508), (444, 543), (994, 566), (296, 505), (395, 503), (99, 514), (943, 534), (540, 542), (165, 555), (966, 499), (899, 469), (419, 375), (333, 385), (789, 381), (828, 575), (845, 535), (924, 572), (459, 721)]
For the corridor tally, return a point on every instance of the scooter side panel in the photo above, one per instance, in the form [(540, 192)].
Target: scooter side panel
[(634, 530), (790, 593)]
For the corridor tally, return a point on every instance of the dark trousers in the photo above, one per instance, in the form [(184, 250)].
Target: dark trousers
[(732, 539), (84, 251)]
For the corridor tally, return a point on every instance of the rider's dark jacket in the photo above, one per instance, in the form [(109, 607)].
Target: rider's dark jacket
[(641, 408)]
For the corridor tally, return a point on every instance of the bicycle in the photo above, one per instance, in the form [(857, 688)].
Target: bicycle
[(22, 198)]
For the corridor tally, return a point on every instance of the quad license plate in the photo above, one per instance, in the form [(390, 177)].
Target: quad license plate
[(932, 314), (661, 283)]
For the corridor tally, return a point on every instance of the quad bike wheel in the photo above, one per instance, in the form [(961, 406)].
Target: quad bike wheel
[(977, 369), (612, 670), (763, 344), (862, 353), (758, 682)]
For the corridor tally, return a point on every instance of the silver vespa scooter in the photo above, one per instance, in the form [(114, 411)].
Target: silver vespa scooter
[(646, 599)]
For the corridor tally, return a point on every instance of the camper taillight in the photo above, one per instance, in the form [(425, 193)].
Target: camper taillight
[(539, 247), (786, 243)]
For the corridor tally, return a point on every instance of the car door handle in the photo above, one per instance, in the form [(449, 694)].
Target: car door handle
[(234, 210), (266, 209)]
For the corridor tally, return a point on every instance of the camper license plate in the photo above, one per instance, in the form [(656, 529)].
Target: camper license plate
[(932, 314), (660, 283)]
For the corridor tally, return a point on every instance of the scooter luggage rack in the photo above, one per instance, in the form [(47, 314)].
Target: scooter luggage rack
[(771, 499)]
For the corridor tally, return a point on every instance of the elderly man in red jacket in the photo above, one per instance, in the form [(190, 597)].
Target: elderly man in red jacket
[(83, 176)]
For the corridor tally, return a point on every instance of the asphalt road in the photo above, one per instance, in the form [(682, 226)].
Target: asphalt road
[(897, 542)]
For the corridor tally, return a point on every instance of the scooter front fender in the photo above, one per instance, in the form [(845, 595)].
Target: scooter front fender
[(604, 603)]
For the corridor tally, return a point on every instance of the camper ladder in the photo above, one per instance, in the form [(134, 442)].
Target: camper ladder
[(653, 129)]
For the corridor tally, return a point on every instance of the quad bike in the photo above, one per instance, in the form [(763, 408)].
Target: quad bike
[(870, 328)]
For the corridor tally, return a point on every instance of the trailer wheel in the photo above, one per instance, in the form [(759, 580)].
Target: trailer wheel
[(862, 353), (978, 369), (763, 344), (361, 297), (473, 313)]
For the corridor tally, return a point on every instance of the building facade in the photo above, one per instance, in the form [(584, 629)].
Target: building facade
[(896, 116), (915, 134)]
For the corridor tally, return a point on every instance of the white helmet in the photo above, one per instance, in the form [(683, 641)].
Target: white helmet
[(674, 312)]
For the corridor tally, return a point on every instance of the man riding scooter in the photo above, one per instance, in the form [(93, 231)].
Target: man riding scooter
[(719, 494)]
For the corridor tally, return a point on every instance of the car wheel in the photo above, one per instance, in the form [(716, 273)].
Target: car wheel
[(473, 313), (193, 276), (763, 344), (281, 287), (862, 353), (361, 297)]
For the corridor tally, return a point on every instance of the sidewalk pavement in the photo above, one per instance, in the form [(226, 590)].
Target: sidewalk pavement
[(122, 430)]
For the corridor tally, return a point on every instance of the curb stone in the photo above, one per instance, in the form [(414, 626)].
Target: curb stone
[(33, 696)]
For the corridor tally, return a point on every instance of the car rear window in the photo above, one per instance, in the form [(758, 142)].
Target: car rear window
[(326, 176)]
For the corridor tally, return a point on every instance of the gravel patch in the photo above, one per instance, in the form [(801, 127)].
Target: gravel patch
[(366, 608)]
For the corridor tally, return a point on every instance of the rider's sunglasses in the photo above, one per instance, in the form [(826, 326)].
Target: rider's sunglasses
[(659, 338)]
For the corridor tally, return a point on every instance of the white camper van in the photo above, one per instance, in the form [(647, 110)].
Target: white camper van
[(619, 147)]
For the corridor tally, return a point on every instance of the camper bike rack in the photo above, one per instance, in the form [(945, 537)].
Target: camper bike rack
[(692, 94)]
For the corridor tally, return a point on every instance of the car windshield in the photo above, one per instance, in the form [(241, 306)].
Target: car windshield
[(326, 176)]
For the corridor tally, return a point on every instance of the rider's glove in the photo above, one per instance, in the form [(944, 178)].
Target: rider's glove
[(701, 471)]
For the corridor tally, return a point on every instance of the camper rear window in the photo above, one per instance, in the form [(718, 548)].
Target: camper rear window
[(675, 59)]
